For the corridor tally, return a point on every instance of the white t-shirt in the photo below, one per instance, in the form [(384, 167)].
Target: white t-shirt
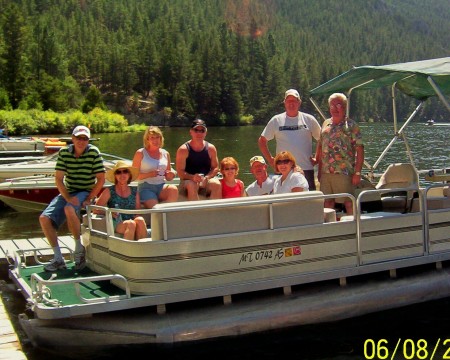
[(265, 189), (293, 180), (294, 134)]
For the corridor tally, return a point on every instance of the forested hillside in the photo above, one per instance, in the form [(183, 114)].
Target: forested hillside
[(227, 61)]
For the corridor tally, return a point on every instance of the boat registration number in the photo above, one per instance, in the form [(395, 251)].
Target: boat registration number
[(270, 255)]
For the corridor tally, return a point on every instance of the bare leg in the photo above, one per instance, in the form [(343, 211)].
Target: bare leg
[(348, 207), (169, 193), (73, 221), (215, 189), (150, 203), (49, 231), (192, 190), (141, 228), (329, 203), (129, 230), (74, 225)]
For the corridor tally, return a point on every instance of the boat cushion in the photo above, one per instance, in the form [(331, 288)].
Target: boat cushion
[(226, 216)]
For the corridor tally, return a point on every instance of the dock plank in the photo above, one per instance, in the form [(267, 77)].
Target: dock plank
[(10, 347), (67, 241), (8, 247)]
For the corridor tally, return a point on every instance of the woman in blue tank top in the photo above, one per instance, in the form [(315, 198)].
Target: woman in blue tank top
[(123, 196)]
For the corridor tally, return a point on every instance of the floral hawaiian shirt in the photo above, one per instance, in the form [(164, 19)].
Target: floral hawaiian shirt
[(339, 142)]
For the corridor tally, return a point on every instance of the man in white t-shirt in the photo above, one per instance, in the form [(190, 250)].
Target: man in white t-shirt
[(293, 131), (263, 185)]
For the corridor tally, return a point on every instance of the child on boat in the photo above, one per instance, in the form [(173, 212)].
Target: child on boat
[(231, 187)]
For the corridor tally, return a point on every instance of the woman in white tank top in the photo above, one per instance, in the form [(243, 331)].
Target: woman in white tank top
[(155, 168)]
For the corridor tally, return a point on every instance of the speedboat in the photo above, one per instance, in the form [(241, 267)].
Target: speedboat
[(44, 166), (13, 148), (228, 267), (430, 122)]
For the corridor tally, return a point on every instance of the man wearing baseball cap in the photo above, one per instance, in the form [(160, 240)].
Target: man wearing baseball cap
[(293, 131), (79, 177), (263, 185)]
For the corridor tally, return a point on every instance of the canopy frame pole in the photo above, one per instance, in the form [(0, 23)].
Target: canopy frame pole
[(438, 92), (318, 109), (398, 134), (394, 107)]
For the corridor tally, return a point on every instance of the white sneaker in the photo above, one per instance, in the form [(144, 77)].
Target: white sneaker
[(80, 260), (55, 265)]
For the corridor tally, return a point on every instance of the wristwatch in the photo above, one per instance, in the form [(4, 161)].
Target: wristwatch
[(358, 173)]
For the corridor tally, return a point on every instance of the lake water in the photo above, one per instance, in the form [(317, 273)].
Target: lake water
[(343, 340)]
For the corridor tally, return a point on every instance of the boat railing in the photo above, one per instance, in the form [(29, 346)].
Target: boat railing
[(36, 178), (359, 214), (268, 200), (424, 206), (21, 255), (41, 293)]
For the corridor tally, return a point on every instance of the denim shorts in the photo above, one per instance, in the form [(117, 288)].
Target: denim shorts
[(149, 191), (55, 210)]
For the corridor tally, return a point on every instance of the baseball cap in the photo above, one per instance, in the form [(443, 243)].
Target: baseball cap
[(81, 130), (198, 122), (258, 159), (292, 92)]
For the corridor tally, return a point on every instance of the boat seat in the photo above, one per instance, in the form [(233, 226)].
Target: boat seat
[(195, 219), (437, 198), (373, 215), (399, 176)]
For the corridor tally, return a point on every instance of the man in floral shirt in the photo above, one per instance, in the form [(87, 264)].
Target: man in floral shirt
[(339, 153)]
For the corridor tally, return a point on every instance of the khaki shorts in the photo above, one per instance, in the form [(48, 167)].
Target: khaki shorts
[(336, 184), (202, 192)]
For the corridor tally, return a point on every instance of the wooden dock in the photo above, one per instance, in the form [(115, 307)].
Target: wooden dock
[(10, 347)]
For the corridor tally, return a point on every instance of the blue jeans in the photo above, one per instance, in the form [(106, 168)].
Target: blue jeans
[(149, 191), (55, 210)]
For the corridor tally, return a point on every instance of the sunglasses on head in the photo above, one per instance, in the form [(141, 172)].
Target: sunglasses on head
[(124, 171), (199, 130), (285, 161)]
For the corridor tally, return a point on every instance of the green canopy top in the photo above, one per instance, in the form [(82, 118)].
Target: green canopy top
[(410, 78)]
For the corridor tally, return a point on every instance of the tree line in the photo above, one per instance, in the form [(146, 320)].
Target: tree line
[(227, 61)]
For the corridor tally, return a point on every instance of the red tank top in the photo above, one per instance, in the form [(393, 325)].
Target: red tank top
[(231, 191)]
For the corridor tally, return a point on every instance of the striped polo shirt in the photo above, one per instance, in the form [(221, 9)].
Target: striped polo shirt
[(80, 172)]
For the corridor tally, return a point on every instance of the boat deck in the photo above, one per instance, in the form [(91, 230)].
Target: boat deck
[(257, 311)]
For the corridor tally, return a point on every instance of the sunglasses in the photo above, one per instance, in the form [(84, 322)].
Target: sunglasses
[(285, 161), (337, 106), (119, 172), (82, 138), (229, 168), (199, 130)]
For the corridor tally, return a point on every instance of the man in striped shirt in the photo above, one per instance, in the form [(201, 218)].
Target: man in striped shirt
[(79, 177)]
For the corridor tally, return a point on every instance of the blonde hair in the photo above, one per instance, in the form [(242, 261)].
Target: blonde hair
[(229, 161), (284, 155), (153, 130)]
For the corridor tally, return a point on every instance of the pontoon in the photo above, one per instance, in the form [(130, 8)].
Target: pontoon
[(215, 268)]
